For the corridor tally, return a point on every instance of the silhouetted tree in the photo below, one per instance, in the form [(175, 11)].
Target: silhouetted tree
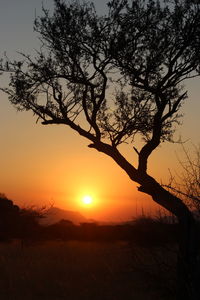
[(112, 78), (29, 223), (18, 223), (9, 218)]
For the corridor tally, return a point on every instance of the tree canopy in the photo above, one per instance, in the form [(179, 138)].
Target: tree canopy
[(111, 77)]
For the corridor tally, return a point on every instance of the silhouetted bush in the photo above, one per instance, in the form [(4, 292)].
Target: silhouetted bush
[(9, 218), (150, 232), (16, 222)]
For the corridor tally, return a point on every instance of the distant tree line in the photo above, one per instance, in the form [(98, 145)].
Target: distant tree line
[(23, 224)]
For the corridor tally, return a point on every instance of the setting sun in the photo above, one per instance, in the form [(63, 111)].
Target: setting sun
[(87, 199)]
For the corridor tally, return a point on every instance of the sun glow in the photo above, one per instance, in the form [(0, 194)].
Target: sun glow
[(87, 200)]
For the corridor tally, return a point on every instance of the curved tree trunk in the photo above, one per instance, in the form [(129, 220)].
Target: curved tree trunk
[(188, 261), (188, 269)]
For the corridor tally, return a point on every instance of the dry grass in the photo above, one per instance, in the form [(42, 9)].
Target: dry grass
[(74, 270)]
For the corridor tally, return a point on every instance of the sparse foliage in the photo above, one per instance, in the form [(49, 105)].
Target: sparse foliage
[(186, 183), (121, 72)]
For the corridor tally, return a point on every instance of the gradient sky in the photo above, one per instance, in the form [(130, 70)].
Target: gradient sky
[(46, 165)]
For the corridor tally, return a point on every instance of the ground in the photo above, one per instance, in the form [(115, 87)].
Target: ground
[(58, 270)]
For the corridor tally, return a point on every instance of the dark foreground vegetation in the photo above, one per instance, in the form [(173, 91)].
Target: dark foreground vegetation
[(134, 260), (76, 270)]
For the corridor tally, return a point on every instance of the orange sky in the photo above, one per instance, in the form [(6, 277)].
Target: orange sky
[(51, 164)]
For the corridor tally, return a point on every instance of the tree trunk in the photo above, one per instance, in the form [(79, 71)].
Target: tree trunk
[(188, 261), (188, 257), (188, 267)]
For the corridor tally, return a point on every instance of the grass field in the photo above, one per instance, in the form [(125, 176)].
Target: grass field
[(81, 270)]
